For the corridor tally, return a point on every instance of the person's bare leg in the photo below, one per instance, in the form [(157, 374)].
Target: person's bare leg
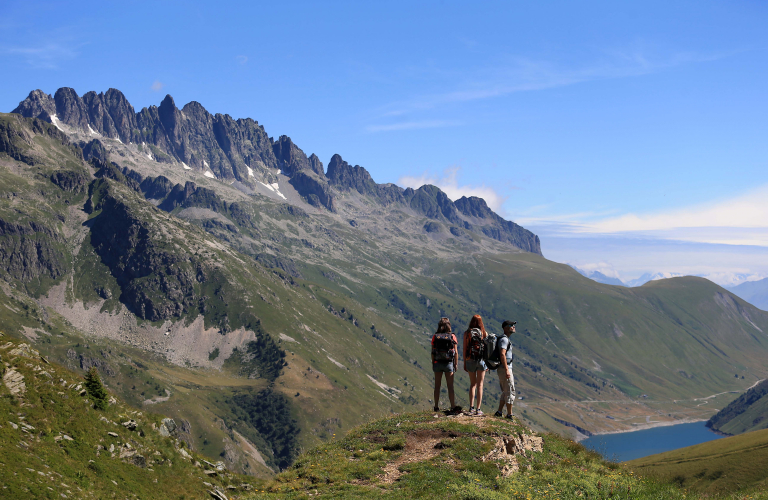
[(480, 378), (472, 382), (438, 381), (449, 383)]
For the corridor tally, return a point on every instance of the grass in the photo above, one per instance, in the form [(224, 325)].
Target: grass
[(733, 464), (356, 465)]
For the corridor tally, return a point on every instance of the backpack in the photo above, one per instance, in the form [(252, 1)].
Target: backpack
[(475, 348), (444, 347), (491, 354)]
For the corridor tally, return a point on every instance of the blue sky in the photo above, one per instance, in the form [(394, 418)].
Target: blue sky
[(631, 137)]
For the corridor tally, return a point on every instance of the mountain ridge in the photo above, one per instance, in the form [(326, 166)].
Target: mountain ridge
[(746, 413), (240, 150)]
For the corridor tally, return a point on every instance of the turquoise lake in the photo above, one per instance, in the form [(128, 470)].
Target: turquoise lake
[(630, 445)]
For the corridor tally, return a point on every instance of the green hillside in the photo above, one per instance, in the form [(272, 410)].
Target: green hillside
[(737, 463), (748, 412), (54, 444), (270, 326)]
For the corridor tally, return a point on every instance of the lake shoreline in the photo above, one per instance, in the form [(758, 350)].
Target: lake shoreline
[(643, 427), (650, 439)]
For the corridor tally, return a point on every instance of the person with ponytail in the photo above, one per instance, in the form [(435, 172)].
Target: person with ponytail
[(474, 364)]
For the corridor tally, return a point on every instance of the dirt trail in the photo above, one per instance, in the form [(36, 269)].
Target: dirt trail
[(423, 445), (426, 444)]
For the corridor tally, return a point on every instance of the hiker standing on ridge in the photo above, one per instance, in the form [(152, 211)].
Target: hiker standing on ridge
[(473, 362), (445, 359), (506, 379)]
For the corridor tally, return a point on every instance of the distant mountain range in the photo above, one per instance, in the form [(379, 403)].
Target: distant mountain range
[(754, 292), (642, 280), (599, 277)]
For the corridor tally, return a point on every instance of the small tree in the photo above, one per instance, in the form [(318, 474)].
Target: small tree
[(95, 389)]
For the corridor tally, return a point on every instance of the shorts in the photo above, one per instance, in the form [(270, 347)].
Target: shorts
[(507, 386), (476, 365), (443, 366)]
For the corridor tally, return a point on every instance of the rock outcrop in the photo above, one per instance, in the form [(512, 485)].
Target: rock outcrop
[(494, 226)]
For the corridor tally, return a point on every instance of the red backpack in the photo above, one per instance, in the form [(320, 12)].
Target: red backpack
[(475, 347)]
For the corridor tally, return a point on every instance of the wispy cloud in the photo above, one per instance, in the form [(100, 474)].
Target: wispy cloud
[(157, 86), (241, 60), (44, 56), (741, 220), (412, 125), (521, 74), (449, 184)]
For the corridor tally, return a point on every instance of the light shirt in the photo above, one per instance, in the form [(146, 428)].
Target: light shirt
[(504, 343)]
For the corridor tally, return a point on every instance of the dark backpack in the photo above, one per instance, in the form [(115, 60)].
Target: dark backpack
[(475, 347), (444, 347), (491, 354)]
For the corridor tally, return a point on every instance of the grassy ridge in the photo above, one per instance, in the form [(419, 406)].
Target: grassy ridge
[(419, 455), (737, 463), (748, 412)]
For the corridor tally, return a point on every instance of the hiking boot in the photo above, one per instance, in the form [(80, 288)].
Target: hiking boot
[(471, 410), (498, 414), (479, 413), (510, 416), (456, 410), (436, 409)]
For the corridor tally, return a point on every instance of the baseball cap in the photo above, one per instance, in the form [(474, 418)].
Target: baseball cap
[(508, 323)]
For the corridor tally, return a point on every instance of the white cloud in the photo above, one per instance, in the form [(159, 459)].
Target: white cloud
[(157, 86), (241, 60), (412, 125), (449, 184), (749, 210), (741, 220)]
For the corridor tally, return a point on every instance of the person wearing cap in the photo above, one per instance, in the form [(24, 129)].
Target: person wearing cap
[(506, 379)]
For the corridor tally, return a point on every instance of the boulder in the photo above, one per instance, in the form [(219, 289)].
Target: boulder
[(167, 427), (130, 425)]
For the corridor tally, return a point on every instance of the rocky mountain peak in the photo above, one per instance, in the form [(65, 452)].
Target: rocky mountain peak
[(38, 104), (432, 202), (345, 177), (474, 207), (70, 109), (290, 157)]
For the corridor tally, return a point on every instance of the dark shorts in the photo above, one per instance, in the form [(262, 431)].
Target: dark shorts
[(443, 367)]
